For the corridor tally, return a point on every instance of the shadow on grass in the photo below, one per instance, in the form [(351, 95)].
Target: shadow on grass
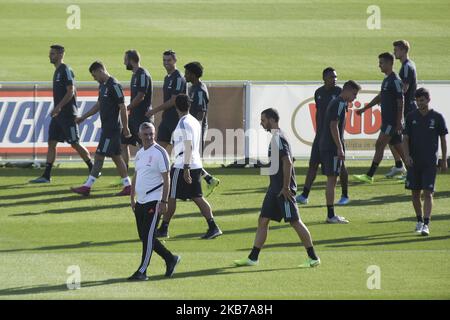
[(393, 198), (125, 206), (437, 217), (81, 245), (40, 289)]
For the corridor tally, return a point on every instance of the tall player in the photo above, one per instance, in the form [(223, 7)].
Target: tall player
[(322, 98), (141, 100), (198, 93), (174, 84), (114, 118), (408, 75), (62, 126), (391, 100)]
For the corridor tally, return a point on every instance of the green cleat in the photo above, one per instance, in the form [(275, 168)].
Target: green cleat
[(310, 263), (363, 178), (212, 185), (245, 262)]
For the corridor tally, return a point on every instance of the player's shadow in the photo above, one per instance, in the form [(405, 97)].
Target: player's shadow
[(34, 194), (436, 217), (87, 209), (218, 213), (392, 198), (40, 289), (81, 245)]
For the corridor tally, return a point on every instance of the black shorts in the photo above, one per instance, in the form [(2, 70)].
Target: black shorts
[(276, 208), (133, 125), (331, 164), (389, 130), (421, 178), (165, 130), (145, 218), (180, 189), (109, 144), (63, 129), (314, 159)]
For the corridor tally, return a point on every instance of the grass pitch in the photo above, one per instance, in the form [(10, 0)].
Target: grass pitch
[(45, 229), (234, 40)]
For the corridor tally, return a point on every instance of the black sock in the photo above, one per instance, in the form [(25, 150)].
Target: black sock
[(48, 169), (211, 223), (164, 225), (345, 191), (420, 219), (330, 211), (208, 178), (372, 169), (398, 164), (426, 221), (89, 164), (305, 192), (311, 253), (254, 254)]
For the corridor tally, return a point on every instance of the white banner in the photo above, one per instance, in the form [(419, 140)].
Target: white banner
[(295, 104)]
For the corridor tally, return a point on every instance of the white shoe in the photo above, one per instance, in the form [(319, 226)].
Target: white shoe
[(419, 226), (425, 230), (395, 171), (338, 220)]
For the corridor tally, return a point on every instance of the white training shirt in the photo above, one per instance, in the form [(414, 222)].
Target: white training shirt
[(188, 128), (149, 164)]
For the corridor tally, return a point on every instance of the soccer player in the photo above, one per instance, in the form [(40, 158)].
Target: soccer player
[(279, 201), (322, 98), (114, 119), (62, 126), (174, 84), (198, 93), (187, 169), (391, 100), (141, 100), (408, 75), (423, 128), (331, 144), (150, 185)]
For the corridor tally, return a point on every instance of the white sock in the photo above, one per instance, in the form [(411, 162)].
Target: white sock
[(126, 182), (90, 181)]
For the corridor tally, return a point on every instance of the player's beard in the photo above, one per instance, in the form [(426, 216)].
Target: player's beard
[(129, 66)]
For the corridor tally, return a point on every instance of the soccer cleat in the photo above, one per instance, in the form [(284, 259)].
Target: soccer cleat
[(40, 180), (212, 185), (337, 220), (170, 267), (395, 171), (138, 276), (310, 263), (419, 226), (363, 178), (162, 233), (425, 230), (301, 199), (343, 201), (83, 190), (212, 233), (245, 262), (126, 191)]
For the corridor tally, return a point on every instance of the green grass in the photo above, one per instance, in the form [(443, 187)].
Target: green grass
[(251, 40), (45, 229)]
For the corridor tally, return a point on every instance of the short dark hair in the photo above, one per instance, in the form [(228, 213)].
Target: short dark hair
[(133, 55), (350, 84), (195, 67), (402, 44), (59, 48), (326, 71), (422, 92), (171, 53), (182, 102), (271, 113), (387, 56), (96, 65)]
